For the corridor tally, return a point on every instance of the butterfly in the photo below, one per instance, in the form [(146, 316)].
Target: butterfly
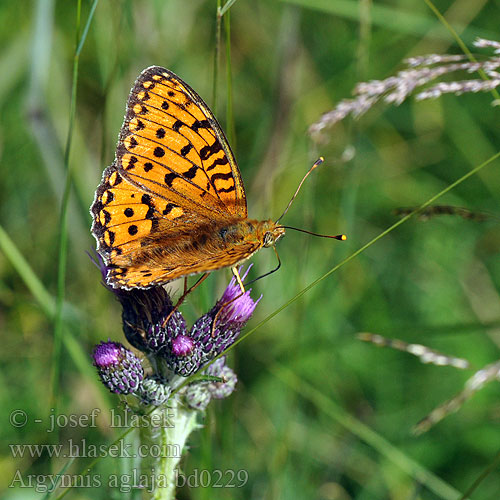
[(173, 202)]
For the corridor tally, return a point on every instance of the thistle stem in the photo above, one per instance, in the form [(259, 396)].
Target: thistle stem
[(171, 437)]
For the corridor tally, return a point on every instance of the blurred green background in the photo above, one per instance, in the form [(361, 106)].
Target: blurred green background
[(317, 414)]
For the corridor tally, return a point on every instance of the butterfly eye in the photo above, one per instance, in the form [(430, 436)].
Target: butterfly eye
[(268, 239)]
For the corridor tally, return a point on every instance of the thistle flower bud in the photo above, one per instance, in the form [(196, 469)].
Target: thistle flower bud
[(183, 362), (223, 389), (145, 314), (197, 396), (154, 392), (120, 370)]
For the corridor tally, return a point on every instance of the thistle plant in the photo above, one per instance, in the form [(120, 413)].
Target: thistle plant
[(155, 381)]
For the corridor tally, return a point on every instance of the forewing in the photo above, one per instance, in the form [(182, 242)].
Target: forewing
[(174, 176), (171, 145)]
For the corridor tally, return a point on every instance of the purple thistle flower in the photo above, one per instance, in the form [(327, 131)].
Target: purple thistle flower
[(183, 356), (236, 308), (187, 352), (119, 369), (107, 354), (231, 312), (145, 314), (230, 320), (182, 345)]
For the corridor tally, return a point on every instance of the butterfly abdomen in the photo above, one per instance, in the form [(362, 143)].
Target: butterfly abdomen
[(208, 238)]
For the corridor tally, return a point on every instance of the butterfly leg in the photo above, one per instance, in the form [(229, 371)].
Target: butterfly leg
[(240, 282), (183, 296), (221, 309), (238, 278)]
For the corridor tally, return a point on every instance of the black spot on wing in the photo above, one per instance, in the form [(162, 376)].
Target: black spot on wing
[(218, 161), (221, 176), (186, 149), (226, 190), (131, 163), (177, 125), (207, 151), (169, 178), (200, 124), (191, 173), (150, 214), (169, 208)]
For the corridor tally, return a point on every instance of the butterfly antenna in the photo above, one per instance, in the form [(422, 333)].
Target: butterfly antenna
[(268, 273), (340, 237), (318, 162)]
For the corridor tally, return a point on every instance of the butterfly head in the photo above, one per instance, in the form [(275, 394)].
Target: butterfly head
[(272, 233)]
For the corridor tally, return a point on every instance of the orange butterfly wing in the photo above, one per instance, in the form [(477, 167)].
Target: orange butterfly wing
[(173, 185)]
